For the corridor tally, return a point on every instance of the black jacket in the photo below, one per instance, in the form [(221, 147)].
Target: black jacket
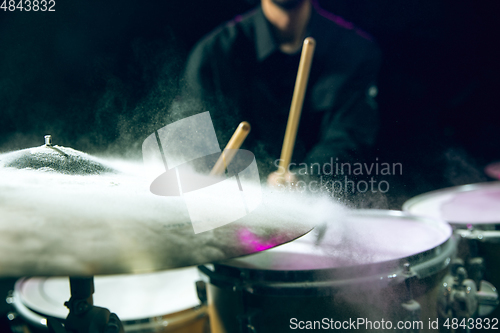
[(238, 73)]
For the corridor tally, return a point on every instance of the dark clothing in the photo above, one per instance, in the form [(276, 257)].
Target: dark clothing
[(238, 73)]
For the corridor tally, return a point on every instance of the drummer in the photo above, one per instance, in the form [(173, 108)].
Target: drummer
[(246, 70)]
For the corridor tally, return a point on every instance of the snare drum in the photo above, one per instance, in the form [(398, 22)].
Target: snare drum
[(158, 302), (474, 213), (356, 269)]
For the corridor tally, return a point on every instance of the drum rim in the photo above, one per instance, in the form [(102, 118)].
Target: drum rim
[(422, 264), (448, 190)]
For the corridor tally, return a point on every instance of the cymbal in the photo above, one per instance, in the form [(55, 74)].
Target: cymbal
[(54, 224)]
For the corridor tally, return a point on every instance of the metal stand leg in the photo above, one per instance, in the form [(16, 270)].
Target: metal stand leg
[(83, 316)]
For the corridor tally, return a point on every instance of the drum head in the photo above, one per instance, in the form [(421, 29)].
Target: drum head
[(131, 297), (363, 238), (468, 204)]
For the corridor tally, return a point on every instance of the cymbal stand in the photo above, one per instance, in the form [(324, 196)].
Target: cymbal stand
[(83, 316)]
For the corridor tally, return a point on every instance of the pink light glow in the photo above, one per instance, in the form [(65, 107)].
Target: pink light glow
[(253, 242), (341, 21)]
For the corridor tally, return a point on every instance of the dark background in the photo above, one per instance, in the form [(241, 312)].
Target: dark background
[(100, 75)]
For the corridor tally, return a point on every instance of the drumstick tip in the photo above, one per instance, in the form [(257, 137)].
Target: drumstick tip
[(309, 41), (245, 126)]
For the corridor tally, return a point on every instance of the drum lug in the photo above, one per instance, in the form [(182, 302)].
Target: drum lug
[(476, 270), (409, 277), (246, 321), (201, 290), (458, 296), (487, 295), (463, 296), (55, 326), (411, 308)]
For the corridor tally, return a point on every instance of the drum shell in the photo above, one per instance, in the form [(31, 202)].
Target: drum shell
[(270, 313), (491, 253)]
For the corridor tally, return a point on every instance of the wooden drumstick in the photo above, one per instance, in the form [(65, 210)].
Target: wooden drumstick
[(297, 102), (234, 143)]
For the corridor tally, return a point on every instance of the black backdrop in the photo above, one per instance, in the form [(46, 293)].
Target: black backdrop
[(100, 76)]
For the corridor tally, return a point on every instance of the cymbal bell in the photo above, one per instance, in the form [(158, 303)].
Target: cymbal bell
[(55, 224)]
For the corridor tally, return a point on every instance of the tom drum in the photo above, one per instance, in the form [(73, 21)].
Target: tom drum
[(372, 266), (158, 302)]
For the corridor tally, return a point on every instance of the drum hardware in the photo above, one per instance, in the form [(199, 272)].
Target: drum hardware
[(411, 308), (201, 291), (459, 297), (487, 298), (463, 303), (83, 316), (247, 321), (476, 269), (486, 295), (474, 213), (48, 144), (480, 235)]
